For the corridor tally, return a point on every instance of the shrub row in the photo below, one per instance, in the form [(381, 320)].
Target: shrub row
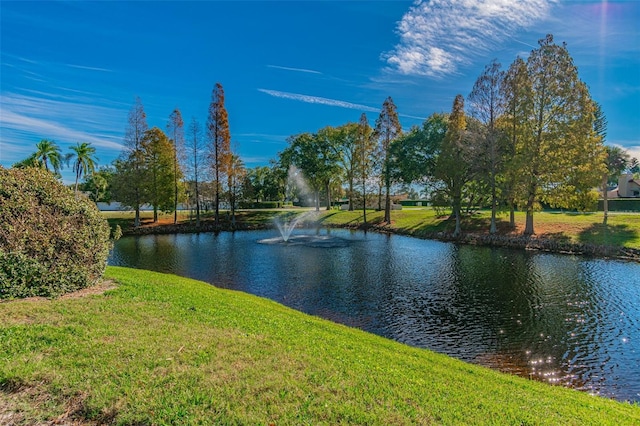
[(621, 205)]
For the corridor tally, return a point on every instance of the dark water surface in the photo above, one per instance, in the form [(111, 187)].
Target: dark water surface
[(560, 319)]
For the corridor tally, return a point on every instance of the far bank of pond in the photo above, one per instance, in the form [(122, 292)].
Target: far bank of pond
[(556, 232), (569, 320)]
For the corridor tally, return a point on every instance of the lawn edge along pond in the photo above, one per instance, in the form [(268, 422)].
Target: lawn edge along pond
[(557, 232), (161, 349)]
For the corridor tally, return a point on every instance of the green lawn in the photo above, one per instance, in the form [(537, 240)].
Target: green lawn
[(623, 229), (160, 349)]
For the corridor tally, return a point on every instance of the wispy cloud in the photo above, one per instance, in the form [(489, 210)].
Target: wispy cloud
[(294, 69), (317, 100), (326, 101), (59, 120), (438, 36), (84, 67)]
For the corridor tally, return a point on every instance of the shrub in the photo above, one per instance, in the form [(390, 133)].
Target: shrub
[(50, 242)]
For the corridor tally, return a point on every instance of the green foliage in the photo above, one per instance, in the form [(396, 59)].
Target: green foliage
[(413, 155), (50, 242)]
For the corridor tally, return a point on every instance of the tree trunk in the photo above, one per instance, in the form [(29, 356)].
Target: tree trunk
[(493, 228), (136, 222), (350, 195), (512, 216), (328, 195), (317, 200), (155, 214), (387, 200), (605, 200), (197, 204), (175, 186), (457, 201), (528, 228)]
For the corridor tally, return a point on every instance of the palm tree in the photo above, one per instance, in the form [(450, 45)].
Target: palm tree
[(48, 152), (85, 161)]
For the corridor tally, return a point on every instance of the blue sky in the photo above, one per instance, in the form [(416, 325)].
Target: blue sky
[(70, 71)]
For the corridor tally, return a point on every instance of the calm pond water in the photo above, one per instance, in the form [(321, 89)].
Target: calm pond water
[(561, 319)]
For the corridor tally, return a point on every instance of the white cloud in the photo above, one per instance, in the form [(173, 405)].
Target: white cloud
[(439, 36), (64, 121), (294, 69), (318, 100), (326, 101), (84, 67)]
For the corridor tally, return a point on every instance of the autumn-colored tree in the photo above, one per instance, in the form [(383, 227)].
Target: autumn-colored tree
[(562, 156), (158, 154), (220, 143), (453, 164), (195, 160), (85, 161), (386, 131), (175, 128), (486, 105)]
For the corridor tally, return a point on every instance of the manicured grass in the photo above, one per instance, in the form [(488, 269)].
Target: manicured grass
[(160, 349), (623, 229)]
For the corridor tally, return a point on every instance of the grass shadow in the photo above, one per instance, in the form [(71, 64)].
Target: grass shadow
[(608, 235)]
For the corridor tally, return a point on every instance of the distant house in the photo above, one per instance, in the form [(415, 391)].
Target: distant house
[(628, 187)]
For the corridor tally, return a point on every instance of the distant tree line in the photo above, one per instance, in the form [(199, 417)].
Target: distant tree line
[(525, 137)]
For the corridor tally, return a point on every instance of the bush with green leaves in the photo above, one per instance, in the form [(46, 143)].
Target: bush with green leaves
[(51, 242)]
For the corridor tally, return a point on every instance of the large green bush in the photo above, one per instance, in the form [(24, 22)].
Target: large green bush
[(50, 242)]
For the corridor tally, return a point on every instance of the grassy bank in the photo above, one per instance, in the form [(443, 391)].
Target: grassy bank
[(623, 229), (160, 349)]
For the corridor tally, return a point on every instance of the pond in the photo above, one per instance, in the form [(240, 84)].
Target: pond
[(561, 319)]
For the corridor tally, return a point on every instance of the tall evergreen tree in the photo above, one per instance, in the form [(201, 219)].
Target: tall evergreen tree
[(486, 105), (220, 143), (175, 127), (386, 131)]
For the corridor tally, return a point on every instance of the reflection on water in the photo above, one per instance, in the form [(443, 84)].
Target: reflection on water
[(560, 319)]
